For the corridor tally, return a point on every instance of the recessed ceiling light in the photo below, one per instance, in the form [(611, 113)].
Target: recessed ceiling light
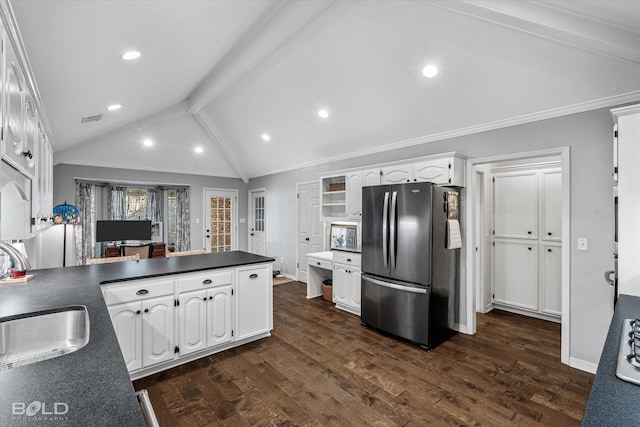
[(132, 54), (430, 71), (114, 107), (198, 150), (147, 142), (323, 113), (266, 137)]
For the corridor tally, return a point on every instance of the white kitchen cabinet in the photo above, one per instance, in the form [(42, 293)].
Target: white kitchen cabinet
[(353, 182), (516, 280), (13, 120), (550, 279), (396, 174), (551, 205), (205, 319), (370, 177), (346, 281), (254, 301), (516, 205), (127, 323), (627, 139), (143, 316), (334, 197), (436, 170)]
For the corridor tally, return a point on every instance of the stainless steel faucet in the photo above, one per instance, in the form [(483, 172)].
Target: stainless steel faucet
[(20, 262)]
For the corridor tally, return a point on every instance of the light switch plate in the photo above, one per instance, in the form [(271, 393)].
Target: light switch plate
[(583, 244)]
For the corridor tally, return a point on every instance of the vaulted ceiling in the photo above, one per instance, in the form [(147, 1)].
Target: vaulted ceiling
[(220, 74)]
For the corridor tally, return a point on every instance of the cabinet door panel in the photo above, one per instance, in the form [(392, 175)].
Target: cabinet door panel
[(552, 205), (396, 174), (436, 171), (254, 299), (551, 279), (516, 274), (219, 316), (127, 323), (193, 327), (370, 177), (354, 194), (14, 109), (516, 205), (157, 330), (340, 284)]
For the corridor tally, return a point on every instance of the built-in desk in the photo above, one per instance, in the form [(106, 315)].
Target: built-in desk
[(319, 267)]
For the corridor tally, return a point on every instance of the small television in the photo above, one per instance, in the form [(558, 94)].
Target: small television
[(110, 231)]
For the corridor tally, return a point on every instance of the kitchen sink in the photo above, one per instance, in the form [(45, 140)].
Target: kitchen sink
[(42, 335)]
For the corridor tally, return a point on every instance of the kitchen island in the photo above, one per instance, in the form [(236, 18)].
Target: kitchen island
[(614, 402), (92, 385)]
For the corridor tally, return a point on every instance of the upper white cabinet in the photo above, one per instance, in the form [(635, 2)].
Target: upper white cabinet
[(447, 170), (551, 205), (24, 141), (628, 173), (342, 193), (516, 205)]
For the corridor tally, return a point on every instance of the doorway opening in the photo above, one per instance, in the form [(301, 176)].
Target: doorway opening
[(522, 181), (257, 221)]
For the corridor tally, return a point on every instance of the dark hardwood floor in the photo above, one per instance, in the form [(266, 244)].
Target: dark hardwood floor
[(321, 368)]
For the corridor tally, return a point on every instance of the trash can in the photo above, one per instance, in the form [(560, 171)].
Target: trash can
[(327, 289)]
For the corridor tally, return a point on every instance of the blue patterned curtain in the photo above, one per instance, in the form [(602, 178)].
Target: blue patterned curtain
[(84, 231), (183, 220), (117, 203)]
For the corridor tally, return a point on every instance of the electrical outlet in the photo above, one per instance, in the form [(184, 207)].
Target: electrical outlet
[(583, 244)]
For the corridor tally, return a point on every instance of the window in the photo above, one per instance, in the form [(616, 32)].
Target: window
[(136, 203), (171, 218)]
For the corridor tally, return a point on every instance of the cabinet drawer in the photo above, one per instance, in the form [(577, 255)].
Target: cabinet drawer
[(321, 263), (205, 280), (350, 258), (135, 291)]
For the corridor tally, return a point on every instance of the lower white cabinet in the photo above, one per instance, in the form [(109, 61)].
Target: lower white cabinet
[(205, 318), (254, 301), (145, 331), (166, 321), (346, 287), (346, 281)]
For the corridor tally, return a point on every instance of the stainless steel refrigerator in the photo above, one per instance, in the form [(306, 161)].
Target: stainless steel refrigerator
[(410, 260)]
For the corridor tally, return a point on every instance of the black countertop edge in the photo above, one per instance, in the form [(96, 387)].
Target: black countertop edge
[(614, 402), (93, 382)]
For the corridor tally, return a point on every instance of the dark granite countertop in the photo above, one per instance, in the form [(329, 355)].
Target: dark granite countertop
[(354, 249), (92, 382), (614, 402)]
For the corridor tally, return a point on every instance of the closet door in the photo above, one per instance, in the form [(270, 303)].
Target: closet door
[(551, 205), (516, 274)]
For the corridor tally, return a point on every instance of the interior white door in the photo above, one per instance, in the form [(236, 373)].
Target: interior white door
[(220, 220), (257, 222), (309, 225)]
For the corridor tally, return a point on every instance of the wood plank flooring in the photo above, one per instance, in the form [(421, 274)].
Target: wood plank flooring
[(321, 368)]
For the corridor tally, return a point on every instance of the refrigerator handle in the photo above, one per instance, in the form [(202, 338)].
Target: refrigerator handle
[(385, 221), (392, 229)]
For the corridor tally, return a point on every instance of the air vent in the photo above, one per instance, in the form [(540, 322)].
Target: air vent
[(92, 118)]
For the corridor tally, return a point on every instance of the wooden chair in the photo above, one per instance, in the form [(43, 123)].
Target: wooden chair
[(142, 251), (109, 260), (183, 253)]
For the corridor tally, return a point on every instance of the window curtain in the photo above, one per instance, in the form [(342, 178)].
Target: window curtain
[(153, 208), (183, 220), (117, 203), (84, 231)]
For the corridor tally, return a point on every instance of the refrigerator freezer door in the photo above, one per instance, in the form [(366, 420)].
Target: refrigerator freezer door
[(399, 309), (411, 239), (375, 230)]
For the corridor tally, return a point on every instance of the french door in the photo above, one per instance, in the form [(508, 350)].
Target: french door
[(257, 222), (220, 220)]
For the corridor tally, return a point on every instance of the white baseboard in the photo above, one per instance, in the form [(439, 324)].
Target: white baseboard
[(583, 365), (463, 329)]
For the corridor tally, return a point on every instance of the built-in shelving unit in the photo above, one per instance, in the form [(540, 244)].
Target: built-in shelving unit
[(334, 197)]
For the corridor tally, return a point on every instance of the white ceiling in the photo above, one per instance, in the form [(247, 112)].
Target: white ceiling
[(220, 73)]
